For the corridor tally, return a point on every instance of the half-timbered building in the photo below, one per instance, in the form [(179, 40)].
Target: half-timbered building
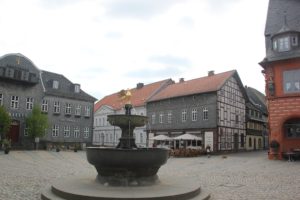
[(211, 107)]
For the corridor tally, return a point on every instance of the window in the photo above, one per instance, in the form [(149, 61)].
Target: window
[(161, 115), (87, 111), (1, 99), (68, 109), (205, 113), (29, 103), (56, 107), (76, 132), (184, 115), (291, 81), (153, 118), (55, 84), (275, 45), (67, 130), (55, 130), (169, 117), (44, 105), (78, 110), (14, 103), (194, 114), (86, 132), (77, 88), (292, 128), (294, 41), (284, 44)]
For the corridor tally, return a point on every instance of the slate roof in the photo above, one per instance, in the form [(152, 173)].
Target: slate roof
[(275, 17), (257, 99), (283, 16), (195, 86), (65, 89), (12, 59), (138, 98)]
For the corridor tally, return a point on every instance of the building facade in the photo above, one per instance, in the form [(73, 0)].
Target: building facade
[(106, 134), (211, 107), (69, 109), (281, 68), (256, 119)]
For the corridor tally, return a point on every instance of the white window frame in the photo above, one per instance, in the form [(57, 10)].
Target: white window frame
[(86, 132), (14, 103), (77, 89), (284, 44), (76, 132), (55, 84), (55, 130), (87, 111), (194, 114), (205, 113), (153, 118), (161, 116), (68, 109), (184, 115), (29, 103), (56, 107), (78, 110), (44, 106), (67, 131), (169, 117)]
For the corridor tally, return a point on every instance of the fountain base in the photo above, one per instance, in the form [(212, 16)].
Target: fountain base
[(86, 187)]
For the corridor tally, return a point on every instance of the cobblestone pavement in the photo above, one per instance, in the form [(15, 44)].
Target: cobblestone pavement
[(250, 175)]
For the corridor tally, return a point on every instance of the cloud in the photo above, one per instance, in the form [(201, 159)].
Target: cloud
[(171, 61), (54, 4), (138, 9), (155, 74), (113, 35)]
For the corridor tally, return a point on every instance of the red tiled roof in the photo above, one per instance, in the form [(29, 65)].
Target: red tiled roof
[(194, 86), (138, 98)]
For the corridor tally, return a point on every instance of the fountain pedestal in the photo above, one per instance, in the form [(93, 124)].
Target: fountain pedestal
[(125, 172)]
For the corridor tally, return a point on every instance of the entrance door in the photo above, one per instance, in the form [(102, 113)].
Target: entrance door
[(254, 144), (14, 132), (236, 142)]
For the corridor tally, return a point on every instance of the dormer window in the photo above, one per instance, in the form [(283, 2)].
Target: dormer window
[(284, 44), (55, 84), (76, 88)]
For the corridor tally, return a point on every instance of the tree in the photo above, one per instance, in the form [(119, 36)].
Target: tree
[(5, 122), (36, 123)]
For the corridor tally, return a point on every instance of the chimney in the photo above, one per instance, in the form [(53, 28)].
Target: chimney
[(139, 85), (211, 73), (181, 80)]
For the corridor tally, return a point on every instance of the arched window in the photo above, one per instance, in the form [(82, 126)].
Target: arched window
[(242, 140)]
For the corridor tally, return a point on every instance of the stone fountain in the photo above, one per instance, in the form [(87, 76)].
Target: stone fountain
[(126, 171)]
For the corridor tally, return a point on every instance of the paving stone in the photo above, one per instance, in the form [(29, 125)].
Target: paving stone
[(250, 175)]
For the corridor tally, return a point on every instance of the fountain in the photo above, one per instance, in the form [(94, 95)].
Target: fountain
[(126, 171)]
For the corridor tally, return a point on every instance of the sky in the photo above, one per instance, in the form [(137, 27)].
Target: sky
[(110, 45)]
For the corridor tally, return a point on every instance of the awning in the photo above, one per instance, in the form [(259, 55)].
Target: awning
[(187, 136)]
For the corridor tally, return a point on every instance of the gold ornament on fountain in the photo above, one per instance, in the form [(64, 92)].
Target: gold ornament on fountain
[(125, 95)]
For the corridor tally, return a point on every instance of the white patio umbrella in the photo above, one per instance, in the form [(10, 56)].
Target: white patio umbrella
[(161, 137)]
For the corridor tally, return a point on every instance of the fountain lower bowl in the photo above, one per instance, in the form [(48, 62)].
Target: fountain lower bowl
[(127, 167)]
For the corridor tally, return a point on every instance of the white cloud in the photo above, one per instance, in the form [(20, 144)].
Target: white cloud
[(97, 43)]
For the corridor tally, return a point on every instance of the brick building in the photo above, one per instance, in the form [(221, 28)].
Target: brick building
[(69, 109), (282, 74)]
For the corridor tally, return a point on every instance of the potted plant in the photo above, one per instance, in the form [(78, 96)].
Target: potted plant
[(6, 145)]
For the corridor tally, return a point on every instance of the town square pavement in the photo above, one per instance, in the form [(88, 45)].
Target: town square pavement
[(249, 175)]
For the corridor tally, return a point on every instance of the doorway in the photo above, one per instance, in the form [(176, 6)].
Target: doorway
[(14, 132)]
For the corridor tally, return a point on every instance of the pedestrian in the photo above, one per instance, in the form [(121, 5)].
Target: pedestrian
[(208, 151)]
